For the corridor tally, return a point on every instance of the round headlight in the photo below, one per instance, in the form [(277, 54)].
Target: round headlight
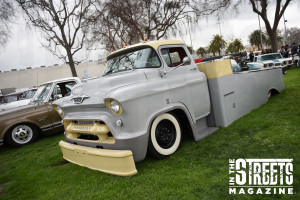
[(115, 106)]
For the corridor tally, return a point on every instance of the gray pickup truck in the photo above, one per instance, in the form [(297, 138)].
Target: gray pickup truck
[(149, 96)]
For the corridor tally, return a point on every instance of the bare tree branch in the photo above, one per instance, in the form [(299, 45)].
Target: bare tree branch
[(62, 23)]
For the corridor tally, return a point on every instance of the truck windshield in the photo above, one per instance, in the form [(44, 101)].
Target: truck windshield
[(270, 57), (42, 92), (142, 58)]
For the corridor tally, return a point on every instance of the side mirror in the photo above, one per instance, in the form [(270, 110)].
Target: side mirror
[(186, 60), (54, 97)]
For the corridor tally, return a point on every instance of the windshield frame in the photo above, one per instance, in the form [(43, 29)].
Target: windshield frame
[(131, 50), (38, 93)]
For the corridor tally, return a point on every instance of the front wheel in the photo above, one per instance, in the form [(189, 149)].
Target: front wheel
[(165, 136), (21, 135)]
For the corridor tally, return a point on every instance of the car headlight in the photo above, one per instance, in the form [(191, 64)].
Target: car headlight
[(114, 106), (59, 110), (265, 65)]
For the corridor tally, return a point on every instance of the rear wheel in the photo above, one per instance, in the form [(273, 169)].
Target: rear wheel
[(21, 135), (165, 136)]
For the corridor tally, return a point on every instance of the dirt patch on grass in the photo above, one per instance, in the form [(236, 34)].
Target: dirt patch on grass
[(60, 163), (2, 186)]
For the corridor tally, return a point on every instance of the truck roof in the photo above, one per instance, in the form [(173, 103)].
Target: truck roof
[(153, 44)]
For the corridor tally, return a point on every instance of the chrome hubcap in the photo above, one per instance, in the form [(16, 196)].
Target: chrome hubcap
[(22, 134)]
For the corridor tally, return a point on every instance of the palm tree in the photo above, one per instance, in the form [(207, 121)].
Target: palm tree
[(235, 46), (217, 44), (230, 48), (201, 51), (254, 38)]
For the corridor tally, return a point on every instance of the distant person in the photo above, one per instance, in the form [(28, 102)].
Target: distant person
[(294, 49), (282, 51), (287, 51), (299, 56), (251, 56), (263, 51)]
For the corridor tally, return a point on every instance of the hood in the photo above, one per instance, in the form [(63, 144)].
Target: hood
[(94, 91), (14, 104), (18, 110)]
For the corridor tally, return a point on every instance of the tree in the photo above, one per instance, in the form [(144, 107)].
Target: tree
[(281, 6), (254, 38), (7, 12), (128, 21), (201, 51), (235, 46), (62, 23), (279, 39), (217, 44), (258, 6), (190, 50), (292, 35)]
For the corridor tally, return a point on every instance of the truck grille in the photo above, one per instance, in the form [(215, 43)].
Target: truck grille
[(88, 130)]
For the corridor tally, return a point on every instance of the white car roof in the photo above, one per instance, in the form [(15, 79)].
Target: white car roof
[(64, 79)]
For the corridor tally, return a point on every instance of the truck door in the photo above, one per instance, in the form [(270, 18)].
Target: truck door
[(187, 84)]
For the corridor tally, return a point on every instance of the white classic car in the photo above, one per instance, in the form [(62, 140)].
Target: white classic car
[(24, 100), (270, 60)]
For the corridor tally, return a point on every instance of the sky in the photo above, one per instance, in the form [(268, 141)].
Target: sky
[(25, 50)]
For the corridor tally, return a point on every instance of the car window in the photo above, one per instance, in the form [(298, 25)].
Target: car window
[(166, 56), (62, 90), (173, 56)]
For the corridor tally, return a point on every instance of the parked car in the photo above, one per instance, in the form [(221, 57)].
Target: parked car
[(22, 125), (12, 97), (24, 99), (270, 60)]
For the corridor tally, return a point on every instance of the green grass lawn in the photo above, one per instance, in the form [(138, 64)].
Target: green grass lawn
[(198, 170)]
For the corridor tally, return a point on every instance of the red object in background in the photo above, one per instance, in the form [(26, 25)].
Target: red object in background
[(198, 60)]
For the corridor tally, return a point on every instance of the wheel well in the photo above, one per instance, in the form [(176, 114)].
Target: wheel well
[(183, 121), (274, 91)]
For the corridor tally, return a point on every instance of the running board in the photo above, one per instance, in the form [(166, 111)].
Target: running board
[(205, 132), (201, 130)]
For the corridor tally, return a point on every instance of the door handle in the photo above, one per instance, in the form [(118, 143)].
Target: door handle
[(195, 68)]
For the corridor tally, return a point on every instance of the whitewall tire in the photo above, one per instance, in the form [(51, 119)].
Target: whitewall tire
[(165, 136)]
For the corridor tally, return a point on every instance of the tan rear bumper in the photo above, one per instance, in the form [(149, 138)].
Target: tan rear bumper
[(116, 162)]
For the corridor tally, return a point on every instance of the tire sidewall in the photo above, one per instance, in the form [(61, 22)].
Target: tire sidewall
[(155, 149)]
